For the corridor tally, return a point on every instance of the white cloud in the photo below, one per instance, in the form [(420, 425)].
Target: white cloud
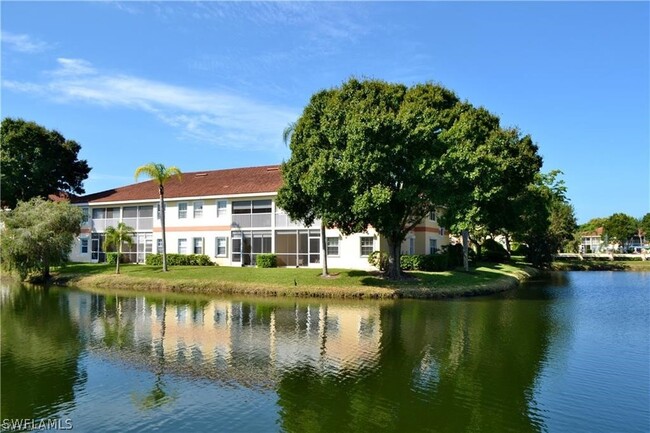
[(23, 43), (220, 118)]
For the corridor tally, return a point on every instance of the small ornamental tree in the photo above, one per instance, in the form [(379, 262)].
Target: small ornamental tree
[(38, 234), (363, 154), (117, 237)]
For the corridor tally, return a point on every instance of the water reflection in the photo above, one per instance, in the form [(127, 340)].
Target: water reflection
[(40, 354), (177, 363)]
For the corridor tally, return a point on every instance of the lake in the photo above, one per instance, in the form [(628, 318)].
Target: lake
[(567, 354)]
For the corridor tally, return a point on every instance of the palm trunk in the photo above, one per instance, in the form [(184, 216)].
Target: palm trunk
[(323, 244), (117, 259), (162, 223)]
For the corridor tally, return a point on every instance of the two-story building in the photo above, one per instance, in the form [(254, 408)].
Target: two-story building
[(231, 216)]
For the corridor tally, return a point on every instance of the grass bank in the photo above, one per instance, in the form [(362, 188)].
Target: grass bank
[(295, 282), (601, 265)]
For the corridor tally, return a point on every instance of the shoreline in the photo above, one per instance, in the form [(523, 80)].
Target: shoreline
[(411, 288)]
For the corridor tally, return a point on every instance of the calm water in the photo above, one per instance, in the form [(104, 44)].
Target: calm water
[(567, 355)]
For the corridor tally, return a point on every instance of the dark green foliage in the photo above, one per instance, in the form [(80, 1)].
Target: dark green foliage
[(111, 258), (180, 260), (425, 262), (455, 255), (37, 162), (494, 252), (363, 154), (379, 260), (621, 227), (519, 249), (266, 261)]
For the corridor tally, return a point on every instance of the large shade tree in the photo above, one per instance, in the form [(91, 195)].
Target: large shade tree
[(483, 170), (38, 234), (621, 227), (116, 237), (37, 162), (363, 154), (160, 175)]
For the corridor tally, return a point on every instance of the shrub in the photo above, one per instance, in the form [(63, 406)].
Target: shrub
[(422, 262), (111, 258), (266, 261), (519, 249), (455, 255), (493, 251), (180, 260), (379, 260)]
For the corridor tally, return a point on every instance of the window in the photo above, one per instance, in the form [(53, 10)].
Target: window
[(366, 245), (432, 215), (241, 207), (261, 206), (182, 246), (411, 246), (158, 211), (221, 208), (198, 209), (84, 246), (332, 246), (433, 246), (159, 246), (85, 213), (182, 210), (197, 246), (221, 247), (442, 231), (99, 213)]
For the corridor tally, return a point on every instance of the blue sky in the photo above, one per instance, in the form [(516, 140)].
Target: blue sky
[(212, 85)]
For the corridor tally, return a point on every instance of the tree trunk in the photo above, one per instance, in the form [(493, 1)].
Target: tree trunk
[(507, 236), (162, 223), (323, 249), (394, 271), (465, 234), (117, 259), (46, 268)]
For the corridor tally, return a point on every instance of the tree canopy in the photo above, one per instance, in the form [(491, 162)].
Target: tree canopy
[(621, 227), (363, 155), (37, 162), (38, 234)]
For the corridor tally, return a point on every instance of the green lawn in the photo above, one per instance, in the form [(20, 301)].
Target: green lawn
[(294, 281)]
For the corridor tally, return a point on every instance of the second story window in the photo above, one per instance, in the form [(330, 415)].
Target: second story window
[(198, 209), (432, 215), (85, 212), (221, 208), (182, 210)]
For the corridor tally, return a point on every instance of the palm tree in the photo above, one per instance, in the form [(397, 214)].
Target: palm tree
[(160, 174), (118, 236)]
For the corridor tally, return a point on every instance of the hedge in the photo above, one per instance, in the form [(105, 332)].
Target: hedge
[(494, 252), (266, 261), (180, 260), (425, 262)]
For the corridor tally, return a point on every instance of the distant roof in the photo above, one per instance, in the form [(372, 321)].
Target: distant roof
[(598, 232), (248, 180), (61, 196)]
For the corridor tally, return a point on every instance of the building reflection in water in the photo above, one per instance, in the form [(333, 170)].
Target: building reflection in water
[(225, 334)]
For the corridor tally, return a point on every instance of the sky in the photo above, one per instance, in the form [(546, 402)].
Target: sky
[(211, 85)]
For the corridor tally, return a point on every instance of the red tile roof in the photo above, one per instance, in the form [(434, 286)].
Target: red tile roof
[(248, 180)]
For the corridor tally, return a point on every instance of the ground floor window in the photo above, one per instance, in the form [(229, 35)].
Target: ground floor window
[(367, 245), (159, 246), (84, 245), (221, 247), (433, 246), (182, 246), (333, 246), (197, 247)]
